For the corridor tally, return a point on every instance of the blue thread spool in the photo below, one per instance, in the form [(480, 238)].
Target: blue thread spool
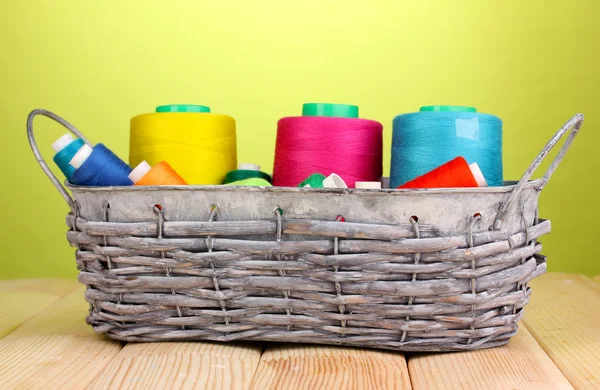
[(99, 167), (424, 140), (65, 148)]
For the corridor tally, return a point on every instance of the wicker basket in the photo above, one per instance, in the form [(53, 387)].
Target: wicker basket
[(408, 270)]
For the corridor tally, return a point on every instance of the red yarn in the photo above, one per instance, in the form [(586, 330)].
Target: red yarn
[(350, 147), (454, 173)]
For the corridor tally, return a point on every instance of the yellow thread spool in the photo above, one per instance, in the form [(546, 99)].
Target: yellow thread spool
[(199, 145)]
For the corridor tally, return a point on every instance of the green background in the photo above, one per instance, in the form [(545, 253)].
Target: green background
[(98, 63)]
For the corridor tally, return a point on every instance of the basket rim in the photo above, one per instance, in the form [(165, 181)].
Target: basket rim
[(506, 188)]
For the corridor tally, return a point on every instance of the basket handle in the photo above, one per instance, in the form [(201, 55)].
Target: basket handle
[(573, 124), (38, 154)]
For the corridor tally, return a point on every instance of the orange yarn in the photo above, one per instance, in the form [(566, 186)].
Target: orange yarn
[(161, 175), (454, 173)]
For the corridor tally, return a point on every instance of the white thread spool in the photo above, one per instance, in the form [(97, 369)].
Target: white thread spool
[(62, 142), (80, 157), (248, 167), (478, 175), (371, 185), (138, 172), (334, 181)]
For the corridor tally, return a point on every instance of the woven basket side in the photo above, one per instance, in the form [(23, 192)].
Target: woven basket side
[(372, 285)]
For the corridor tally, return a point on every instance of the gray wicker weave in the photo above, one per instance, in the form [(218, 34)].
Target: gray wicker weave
[(409, 270)]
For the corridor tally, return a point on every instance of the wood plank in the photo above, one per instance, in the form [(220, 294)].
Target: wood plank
[(56, 349), (58, 287), (521, 364), (325, 367), (182, 365), (564, 317), (20, 300)]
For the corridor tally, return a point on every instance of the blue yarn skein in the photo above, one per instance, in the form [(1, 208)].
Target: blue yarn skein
[(102, 168), (422, 141), (63, 157)]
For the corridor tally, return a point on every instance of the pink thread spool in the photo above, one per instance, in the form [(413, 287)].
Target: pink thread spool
[(328, 138)]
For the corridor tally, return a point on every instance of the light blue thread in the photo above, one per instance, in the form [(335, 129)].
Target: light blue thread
[(423, 141), (63, 157)]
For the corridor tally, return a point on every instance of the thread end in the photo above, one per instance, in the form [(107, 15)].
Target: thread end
[(81, 155)]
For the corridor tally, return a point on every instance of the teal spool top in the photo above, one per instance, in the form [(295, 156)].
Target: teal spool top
[(447, 109), (182, 108), (330, 109)]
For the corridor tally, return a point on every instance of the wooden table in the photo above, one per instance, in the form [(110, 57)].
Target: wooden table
[(45, 343)]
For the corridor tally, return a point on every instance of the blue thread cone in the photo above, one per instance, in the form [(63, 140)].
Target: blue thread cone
[(102, 168)]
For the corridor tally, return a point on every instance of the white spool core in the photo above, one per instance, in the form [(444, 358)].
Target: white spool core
[(62, 142), (478, 175), (334, 181), (139, 172), (249, 167), (81, 155), (368, 184)]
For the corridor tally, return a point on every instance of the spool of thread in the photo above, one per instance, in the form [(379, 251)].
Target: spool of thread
[(246, 171), (334, 181), (252, 182), (65, 148), (425, 140), (370, 185), (99, 167), (199, 145), (328, 138), (160, 175), (454, 173), (313, 181)]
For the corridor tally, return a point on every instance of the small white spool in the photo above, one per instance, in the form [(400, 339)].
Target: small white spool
[(334, 181), (372, 185), (81, 155), (478, 175), (248, 167), (139, 172), (62, 142)]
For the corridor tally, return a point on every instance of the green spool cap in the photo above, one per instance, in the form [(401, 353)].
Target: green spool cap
[(182, 108), (314, 181), (448, 109), (253, 182), (330, 109), (243, 174)]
